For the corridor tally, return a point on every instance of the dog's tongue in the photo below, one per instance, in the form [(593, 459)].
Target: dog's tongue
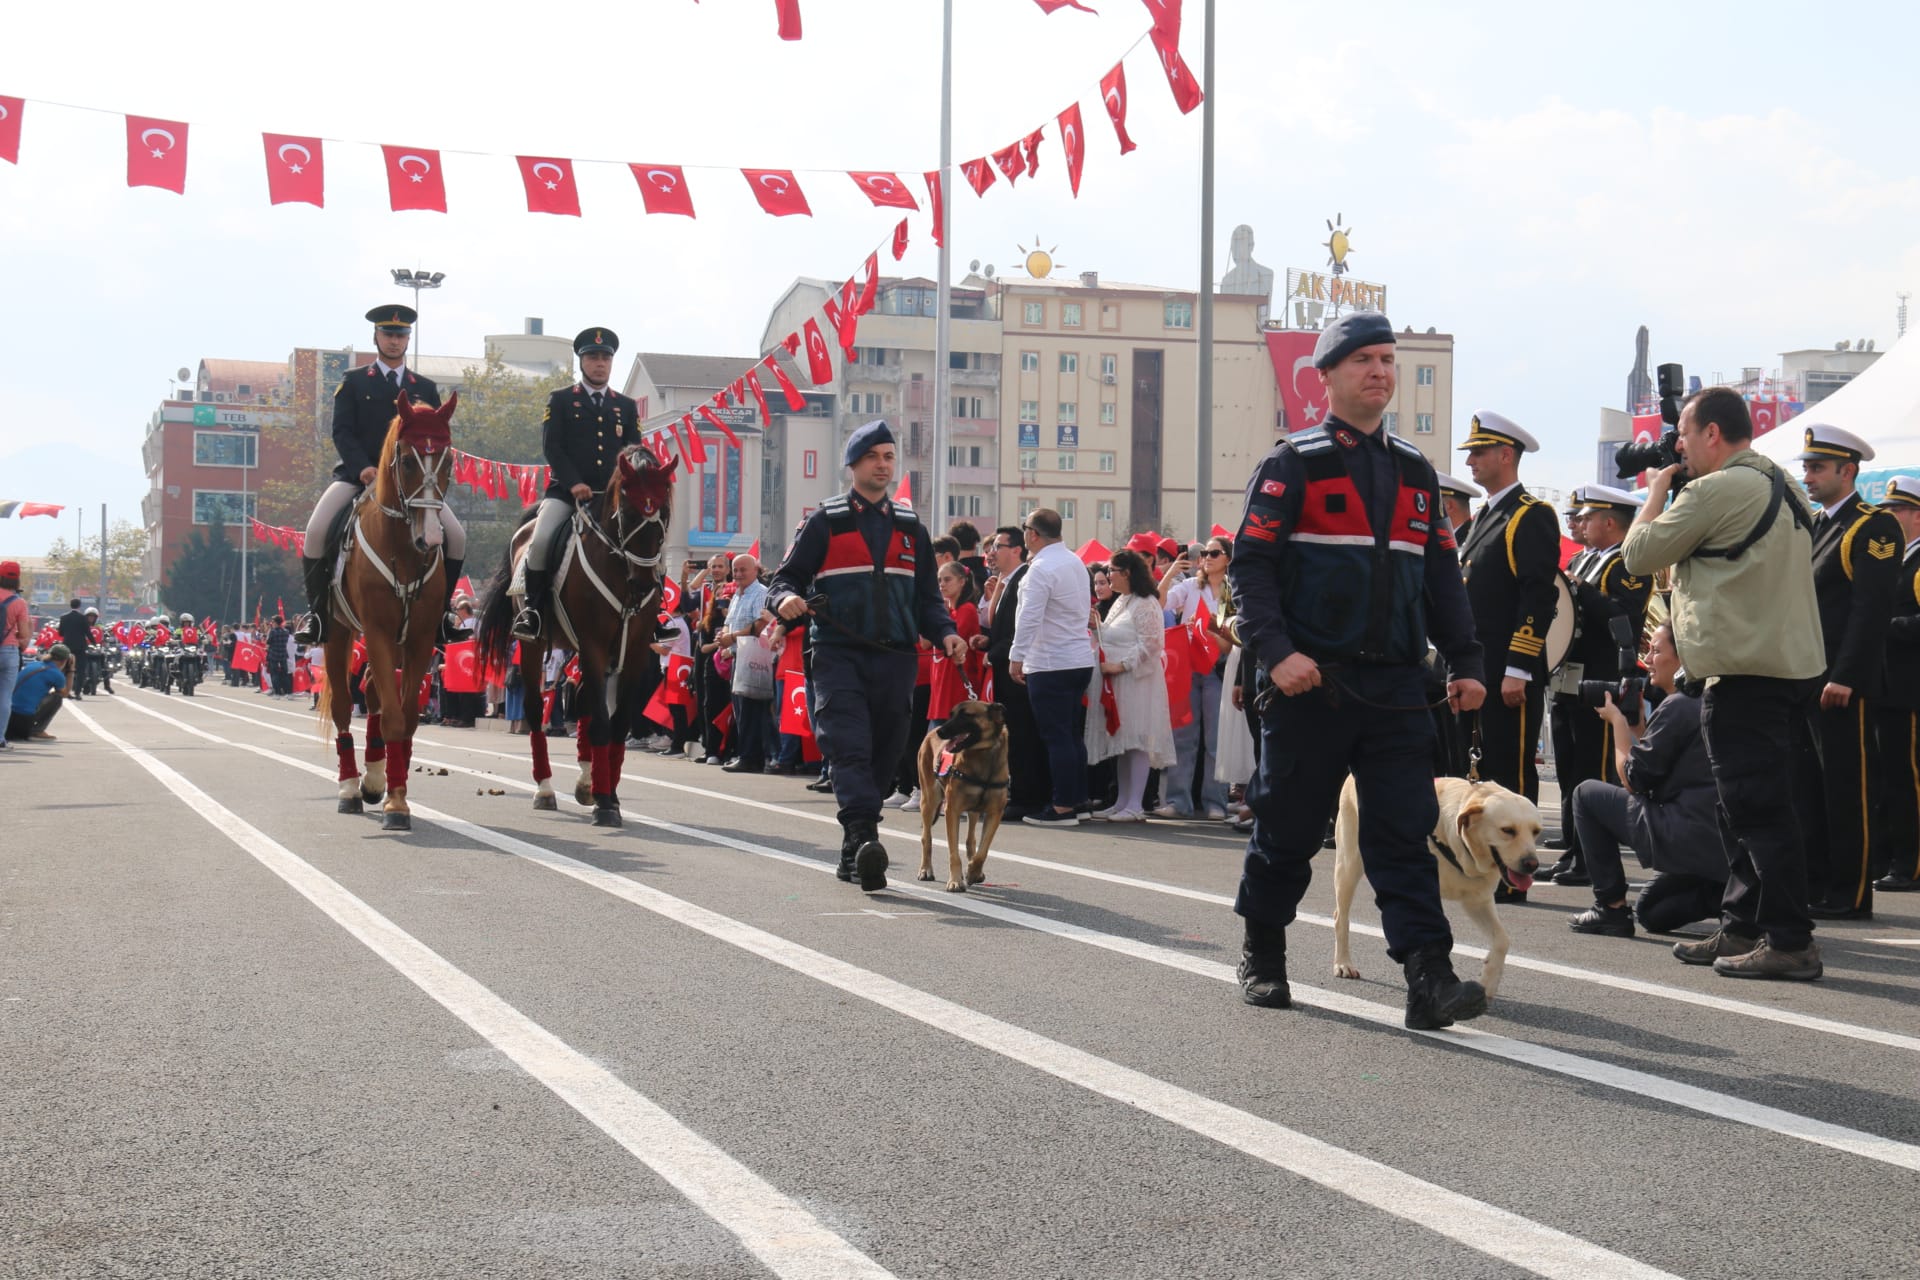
[(1519, 882)]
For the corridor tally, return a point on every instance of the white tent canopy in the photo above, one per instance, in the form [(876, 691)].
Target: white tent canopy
[(1881, 406)]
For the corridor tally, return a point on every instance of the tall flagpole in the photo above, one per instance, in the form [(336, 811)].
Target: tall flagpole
[(1203, 345), (934, 513)]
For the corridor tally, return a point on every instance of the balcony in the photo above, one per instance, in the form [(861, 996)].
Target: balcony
[(975, 426), (884, 374), (977, 476), (975, 377)]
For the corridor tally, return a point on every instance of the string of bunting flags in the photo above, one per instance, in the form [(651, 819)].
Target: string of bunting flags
[(12, 509)]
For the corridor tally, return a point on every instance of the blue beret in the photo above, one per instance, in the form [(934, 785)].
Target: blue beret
[(874, 433), (1348, 334)]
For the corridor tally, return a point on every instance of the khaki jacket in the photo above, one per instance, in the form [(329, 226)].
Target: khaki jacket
[(1754, 616)]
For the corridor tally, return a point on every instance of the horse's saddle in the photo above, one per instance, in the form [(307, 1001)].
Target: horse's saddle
[(336, 544), (523, 544)]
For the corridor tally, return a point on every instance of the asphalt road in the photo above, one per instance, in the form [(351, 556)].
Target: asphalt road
[(243, 1035)]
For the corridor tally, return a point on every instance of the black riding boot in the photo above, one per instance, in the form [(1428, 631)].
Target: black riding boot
[(849, 846), (1263, 967), (1435, 997), (319, 580), (527, 623)]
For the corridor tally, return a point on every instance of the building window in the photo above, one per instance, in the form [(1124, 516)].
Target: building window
[(875, 402), (1070, 315), (1108, 412), (1423, 375), (1178, 315), (1106, 462), (1069, 508), (1029, 362), (226, 449), (967, 407), (1069, 362), (810, 463), (1109, 369), (1069, 412), (1029, 411), (1067, 462), (720, 491), (1034, 313), (963, 504), (1109, 315), (1029, 461), (1106, 509), (1423, 424), (1028, 506), (223, 503), (963, 455), (1390, 420)]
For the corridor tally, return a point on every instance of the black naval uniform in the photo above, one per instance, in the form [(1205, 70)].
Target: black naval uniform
[(1583, 743), (861, 650), (1364, 615), (363, 409), (1508, 561), (1856, 562), (1898, 720)]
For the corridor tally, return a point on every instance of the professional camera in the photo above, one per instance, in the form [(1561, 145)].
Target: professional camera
[(1634, 457), (1627, 691)]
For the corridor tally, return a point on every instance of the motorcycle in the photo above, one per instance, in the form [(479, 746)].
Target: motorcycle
[(184, 668)]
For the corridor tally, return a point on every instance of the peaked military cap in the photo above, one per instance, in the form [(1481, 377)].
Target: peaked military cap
[(395, 318), (1605, 497), (1457, 487), (1902, 491), (596, 342), (1823, 441), (1490, 428)]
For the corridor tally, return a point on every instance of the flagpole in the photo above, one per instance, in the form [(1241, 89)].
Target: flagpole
[(943, 323), (1203, 412)]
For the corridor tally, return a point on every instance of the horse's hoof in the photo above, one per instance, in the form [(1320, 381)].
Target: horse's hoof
[(352, 805), (371, 797), (583, 794), (545, 804), (396, 822), (607, 815)]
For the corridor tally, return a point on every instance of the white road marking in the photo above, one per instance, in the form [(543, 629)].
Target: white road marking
[(774, 1228), (1476, 1224), (1894, 942), (1642, 1084)]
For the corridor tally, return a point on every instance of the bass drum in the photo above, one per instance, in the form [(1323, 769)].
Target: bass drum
[(1561, 631)]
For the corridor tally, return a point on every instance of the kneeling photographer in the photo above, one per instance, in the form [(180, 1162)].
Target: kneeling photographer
[(1746, 623), (1664, 810)]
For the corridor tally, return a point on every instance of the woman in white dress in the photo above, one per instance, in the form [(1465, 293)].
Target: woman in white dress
[(1132, 639)]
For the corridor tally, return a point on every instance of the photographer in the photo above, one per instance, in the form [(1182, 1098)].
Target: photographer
[(1738, 540), (1664, 809)]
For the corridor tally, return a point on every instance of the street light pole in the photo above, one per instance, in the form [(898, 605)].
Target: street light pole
[(416, 281), (943, 321)]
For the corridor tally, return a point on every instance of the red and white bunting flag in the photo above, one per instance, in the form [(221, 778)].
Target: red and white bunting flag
[(792, 343), (789, 15), (900, 240), (550, 185), (294, 170), (819, 363), (759, 397), (869, 291), (1166, 17), (1031, 144), (11, 111), (884, 189), (1055, 6), (157, 154), (1009, 161), (795, 401), (979, 174), (719, 425), (841, 317), (1113, 92), (695, 445), (1074, 143), (414, 180), (939, 209), (778, 192), (1186, 90), (663, 188)]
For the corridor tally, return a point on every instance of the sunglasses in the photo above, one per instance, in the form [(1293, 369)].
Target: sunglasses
[(1211, 554)]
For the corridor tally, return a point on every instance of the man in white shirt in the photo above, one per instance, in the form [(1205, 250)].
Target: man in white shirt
[(1053, 656)]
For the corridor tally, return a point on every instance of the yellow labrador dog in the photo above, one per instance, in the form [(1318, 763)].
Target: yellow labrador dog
[(1485, 833)]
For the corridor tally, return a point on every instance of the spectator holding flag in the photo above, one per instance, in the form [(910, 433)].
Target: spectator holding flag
[(1196, 601), (1127, 714)]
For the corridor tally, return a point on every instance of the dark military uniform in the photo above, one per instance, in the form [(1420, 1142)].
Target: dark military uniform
[(1856, 565), (1509, 561), (1898, 721), (363, 409)]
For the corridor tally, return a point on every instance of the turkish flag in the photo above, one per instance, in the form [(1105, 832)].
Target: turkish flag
[(979, 174), (903, 496), (1166, 17), (754, 550), (1186, 90), (759, 397), (1766, 416), (11, 110), (1176, 662), (157, 154), (302, 677), (719, 424), (663, 188), (656, 708), (939, 210), (819, 363), (870, 290), (460, 673), (1074, 143), (900, 240), (294, 171), (1113, 92), (1031, 143), (670, 595), (777, 191), (789, 12), (550, 185), (248, 656), (1009, 161), (1203, 648), (884, 189), (679, 681), (795, 401), (1301, 394), (793, 709), (414, 180), (696, 447)]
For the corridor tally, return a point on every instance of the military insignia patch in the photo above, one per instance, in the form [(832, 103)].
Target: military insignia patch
[(1880, 548), (1273, 488)]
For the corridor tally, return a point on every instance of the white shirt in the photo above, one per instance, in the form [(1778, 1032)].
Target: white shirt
[(1184, 597), (673, 634), (388, 370), (1050, 631)]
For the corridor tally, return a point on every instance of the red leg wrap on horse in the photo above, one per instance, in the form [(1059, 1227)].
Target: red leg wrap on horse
[(586, 739), (537, 739), (398, 757), (376, 745), (616, 757), (344, 746)]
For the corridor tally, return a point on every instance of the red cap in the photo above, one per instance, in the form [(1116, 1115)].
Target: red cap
[(1169, 546), (1145, 543), (9, 568)]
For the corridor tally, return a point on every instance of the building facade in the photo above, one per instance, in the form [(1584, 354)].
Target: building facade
[(717, 506)]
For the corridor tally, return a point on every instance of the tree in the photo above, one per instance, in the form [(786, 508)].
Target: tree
[(499, 417), (78, 571), (205, 574)]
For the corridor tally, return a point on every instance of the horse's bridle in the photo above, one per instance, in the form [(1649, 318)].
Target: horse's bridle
[(426, 497), (618, 544)]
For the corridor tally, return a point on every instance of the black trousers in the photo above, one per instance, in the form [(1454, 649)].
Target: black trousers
[(21, 726), (1837, 792), (1748, 724), (906, 778), (1309, 743), (1510, 739), (713, 696), (1582, 752), (1032, 784), (1899, 848), (1672, 902), (861, 700), (1600, 822)]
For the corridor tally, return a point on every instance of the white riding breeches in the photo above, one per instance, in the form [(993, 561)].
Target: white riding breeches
[(339, 495), (553, 513)]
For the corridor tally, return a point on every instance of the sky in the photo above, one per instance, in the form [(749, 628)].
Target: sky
[(1537, 180)]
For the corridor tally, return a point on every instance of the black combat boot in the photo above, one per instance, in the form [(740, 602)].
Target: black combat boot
[(526, 623), (1435, 997), (319, 580), (849, 846), (1263, 967), (870, 856)]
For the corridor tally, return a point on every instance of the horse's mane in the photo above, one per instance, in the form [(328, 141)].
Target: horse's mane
[(383, 476)]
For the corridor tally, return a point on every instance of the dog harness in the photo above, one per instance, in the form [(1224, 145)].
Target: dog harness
[(949, 766)]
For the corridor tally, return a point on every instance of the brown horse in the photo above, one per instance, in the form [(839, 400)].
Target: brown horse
[(390, 589), (606, 595)]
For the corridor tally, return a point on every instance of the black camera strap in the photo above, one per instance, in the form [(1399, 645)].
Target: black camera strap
[(1767, 518)]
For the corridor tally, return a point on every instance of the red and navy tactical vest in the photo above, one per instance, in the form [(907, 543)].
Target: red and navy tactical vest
[(872, 601), (1350, 591)]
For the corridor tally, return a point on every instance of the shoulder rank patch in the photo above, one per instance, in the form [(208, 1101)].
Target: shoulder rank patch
[(1881, 549)]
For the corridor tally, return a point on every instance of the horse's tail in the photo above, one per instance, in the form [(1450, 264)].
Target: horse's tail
[(495, 634)]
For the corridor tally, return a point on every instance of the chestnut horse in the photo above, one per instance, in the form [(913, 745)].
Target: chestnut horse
[(606, 595), (390, 589)]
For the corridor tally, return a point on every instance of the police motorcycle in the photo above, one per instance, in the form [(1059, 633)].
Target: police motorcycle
[(185, 663)]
